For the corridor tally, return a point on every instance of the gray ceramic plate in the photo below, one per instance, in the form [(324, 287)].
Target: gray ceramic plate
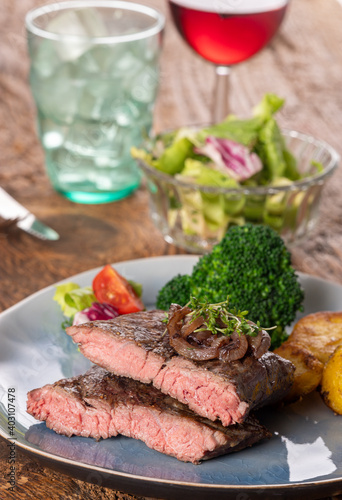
[(302, 460)]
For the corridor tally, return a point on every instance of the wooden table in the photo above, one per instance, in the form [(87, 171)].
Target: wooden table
[(303, 64)]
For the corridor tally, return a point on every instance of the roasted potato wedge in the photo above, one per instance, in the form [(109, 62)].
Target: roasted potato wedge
[(308, 372), (320, 333), (331, 387)]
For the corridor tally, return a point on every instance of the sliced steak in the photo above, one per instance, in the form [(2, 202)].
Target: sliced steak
[(137, 346), (101, 405)]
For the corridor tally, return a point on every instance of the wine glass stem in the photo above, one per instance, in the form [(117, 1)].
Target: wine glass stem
[(221, 96)]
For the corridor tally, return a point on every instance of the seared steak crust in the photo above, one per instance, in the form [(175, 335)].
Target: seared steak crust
[(100, 405), (137, 346), (146, 328)]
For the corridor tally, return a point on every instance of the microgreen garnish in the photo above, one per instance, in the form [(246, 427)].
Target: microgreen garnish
[(219, 319)]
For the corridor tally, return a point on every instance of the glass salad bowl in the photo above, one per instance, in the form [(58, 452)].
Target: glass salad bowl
[(195, 217)]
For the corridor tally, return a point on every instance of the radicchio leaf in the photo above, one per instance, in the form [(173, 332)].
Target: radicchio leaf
[(231, 157), (97, 311)]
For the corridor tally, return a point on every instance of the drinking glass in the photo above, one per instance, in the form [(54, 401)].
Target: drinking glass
[(94, 78), (227, 32)]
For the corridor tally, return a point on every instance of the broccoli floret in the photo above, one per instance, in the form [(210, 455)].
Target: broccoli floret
[(177, 290), (253, 267)]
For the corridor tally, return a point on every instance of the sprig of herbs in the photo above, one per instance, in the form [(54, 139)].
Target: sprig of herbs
[(217, 315)]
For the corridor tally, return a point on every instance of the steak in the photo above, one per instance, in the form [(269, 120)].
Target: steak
[(101, 405), (137, 345)]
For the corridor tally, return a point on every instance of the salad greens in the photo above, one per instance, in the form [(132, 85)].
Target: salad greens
[(258, 138), (233, 154), (81, 304), (72, 298)]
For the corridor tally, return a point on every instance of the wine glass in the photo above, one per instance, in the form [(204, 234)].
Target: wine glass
[(227, 32)]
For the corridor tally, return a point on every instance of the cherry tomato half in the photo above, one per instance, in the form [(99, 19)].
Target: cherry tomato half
[(112, 288)]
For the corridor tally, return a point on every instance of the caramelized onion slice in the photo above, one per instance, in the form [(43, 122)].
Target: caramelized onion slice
[(260, 344), (199, 353), (191, 326), (176, 315), (196, 353), (235, 349), (201, 337)]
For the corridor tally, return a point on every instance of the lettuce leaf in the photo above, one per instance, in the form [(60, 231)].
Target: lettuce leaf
[(199, 173), (172, 160), (141, 154), (270, 149), (268, 106), (203, 210), (72, 298), (137, 287), (244, 132)]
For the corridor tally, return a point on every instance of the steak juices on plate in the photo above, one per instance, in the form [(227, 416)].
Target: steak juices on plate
[(192, 410)]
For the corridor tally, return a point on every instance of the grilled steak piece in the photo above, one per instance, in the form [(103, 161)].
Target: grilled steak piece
[(137, 345), (100, 405)]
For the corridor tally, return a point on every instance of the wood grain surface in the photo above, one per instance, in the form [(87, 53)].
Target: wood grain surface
[(303, 64)]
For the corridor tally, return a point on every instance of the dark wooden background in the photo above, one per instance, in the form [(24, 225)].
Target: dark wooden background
[(302, 64)]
